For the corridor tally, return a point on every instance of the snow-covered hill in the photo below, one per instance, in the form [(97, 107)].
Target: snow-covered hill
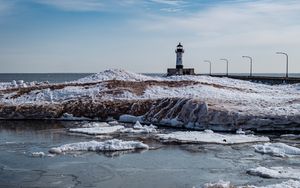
[(188, 101)]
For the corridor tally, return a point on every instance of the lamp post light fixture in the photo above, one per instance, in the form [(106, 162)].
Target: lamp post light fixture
[(287, 63), (209, 66), (226, 60), (251, 62)]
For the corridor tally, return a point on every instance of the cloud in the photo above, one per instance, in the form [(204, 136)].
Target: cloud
[(168, 2), (74, 5), (249, 23)]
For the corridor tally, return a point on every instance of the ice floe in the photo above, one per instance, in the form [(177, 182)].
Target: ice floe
[(277, 149), (97, 130), (275, 172), (209, 137), (109, 145), (138, 128)]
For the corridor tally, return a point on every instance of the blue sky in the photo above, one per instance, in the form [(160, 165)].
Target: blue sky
[(140, 35)]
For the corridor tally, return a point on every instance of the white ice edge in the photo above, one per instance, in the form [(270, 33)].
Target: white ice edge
[(210, 137)]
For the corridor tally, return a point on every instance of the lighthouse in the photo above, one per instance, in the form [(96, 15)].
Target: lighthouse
[(179, 51), (179, 70)]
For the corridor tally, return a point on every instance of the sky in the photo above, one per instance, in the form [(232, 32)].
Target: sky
[(57, 36)]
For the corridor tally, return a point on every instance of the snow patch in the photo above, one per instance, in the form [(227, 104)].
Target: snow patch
[(116, 74), (208, 137), (277, 149), (109, 145), (275, 172)]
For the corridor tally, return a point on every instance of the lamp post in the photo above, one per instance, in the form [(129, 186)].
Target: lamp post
[(209, 66), (287, 63), (251, 62), (226, 60)]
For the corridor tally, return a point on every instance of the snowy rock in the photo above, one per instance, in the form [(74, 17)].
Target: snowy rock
[(97, 130), (109, 145), (275, 172), (277, 149), (208, 137)]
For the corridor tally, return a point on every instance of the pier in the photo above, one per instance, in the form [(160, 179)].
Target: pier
[(261, 79)]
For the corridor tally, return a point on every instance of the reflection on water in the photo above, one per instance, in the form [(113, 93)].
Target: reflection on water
[(169, 165)]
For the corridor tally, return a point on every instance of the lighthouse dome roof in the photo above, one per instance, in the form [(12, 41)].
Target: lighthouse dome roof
[(179, 45)]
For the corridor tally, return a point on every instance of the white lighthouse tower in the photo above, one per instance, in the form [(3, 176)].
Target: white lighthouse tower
[(179, 70), (179, 51)]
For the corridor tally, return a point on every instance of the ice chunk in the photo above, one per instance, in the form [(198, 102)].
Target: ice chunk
[(109, 145), (130, 118), (220, 184), (208, 131), (208, 137), (240, 131), (138, 128), (137, 125), (95, 124), (275, 172), (67, 116), (37, 154), (277, 149), (97, 130)]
